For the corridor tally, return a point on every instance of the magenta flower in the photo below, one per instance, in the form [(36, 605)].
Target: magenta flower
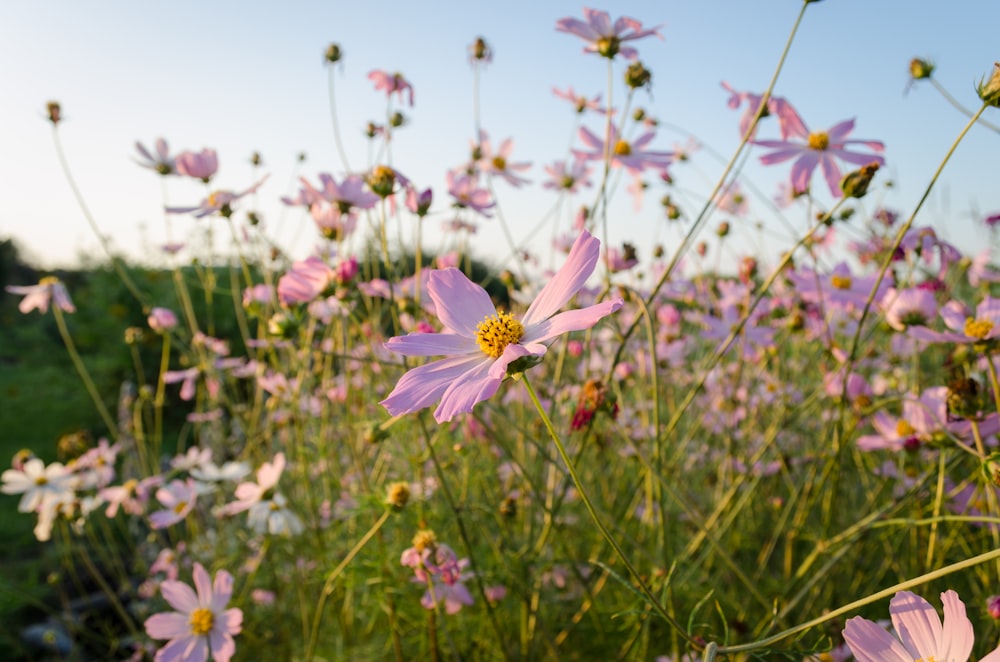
[(964, 328), (480, 342), (200, 626), (392, 84), (821, 148), (920, 631), (200, 165), (606, 38), (162, 162), (629, 155), (49, 289)]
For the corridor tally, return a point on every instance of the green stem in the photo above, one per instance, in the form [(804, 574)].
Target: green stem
[(643, 587), (81, 369)]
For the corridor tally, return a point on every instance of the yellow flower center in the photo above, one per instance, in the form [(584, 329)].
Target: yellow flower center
[(568, 181), (841, 282), (819, 140), (904, 429), (202, 621), (424, 539), (48, 280), (213, 198), (608, 46), (179, 508), (978, 328), (622, 148), (41, 480), (499, 162), (495, 332), (130, 485)]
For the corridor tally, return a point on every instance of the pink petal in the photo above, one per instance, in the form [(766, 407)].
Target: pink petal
[(571, 320), (179, 595), (167, 625), (916, 623), (871, 643), (222, 590), (469, 388), (432, 344), (203, 584), (840, 131), (423, 386), (223, 646), (802, 171), (461, 304), (957, 637), (568, 280), (832, 174)]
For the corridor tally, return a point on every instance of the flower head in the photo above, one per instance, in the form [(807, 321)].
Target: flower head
[(38, 296), (480, 342), (921, 633), (200, 165), (631, 155), (606, 38), (220, 202), (162, 162), (392, 84), (200, 626)]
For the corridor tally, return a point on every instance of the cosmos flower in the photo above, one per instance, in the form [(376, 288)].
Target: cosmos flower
[(217, 202), (200, 165), (480, 343), (162, 162), (568, 178), (789, 122), (629, 155), (498, 162), (822, 149), (468, 195), (606, 38), (178, 499), (921, 635), (964, 328), (392, 84), (200, 626), (580, 102), (49, 289)]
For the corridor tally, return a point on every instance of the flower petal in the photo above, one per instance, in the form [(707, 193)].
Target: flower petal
[(167, 625), (461, 304), (957, 637), (469, 388), (568, 280), (222, 590), (917, 624), (871, 643), (432, 344), (424, 385), (179, 595), (570, 320)]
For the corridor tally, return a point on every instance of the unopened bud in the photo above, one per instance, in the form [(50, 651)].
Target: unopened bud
[(723, 229), (333, 53), (480, 50), (54, 111), (920, 69), (398, 494), (989, 91), (398, 119), (855, 184), (637, 75)]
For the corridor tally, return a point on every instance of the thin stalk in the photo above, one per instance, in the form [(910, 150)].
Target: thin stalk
[(81, 369)]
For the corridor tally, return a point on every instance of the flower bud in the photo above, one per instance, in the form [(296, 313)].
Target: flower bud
[(397, 119), (637, 75), (333, 53), (723, 229), (54, 112), (397, 495), (989, 91), (993, 606), (381, 181), (855, 184), (162, 319), (480, 50), (920, 69), (256, 159)]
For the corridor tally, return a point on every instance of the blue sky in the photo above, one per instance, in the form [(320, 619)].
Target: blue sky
[(240, 77)]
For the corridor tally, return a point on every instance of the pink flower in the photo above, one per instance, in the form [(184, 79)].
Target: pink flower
[(629, 155), (162, 163), (392, 84), (920, 631), (38, 296), (498, 162), (569, 178), (200, 626), (606, 38), (419, 202), (200, 165), (162, 319), (820, 148), (305, 281), (480, 343), (178, 499), (581, 103), (789, 122), (220, 202), (909, 306), (964, 328), (468, 195)]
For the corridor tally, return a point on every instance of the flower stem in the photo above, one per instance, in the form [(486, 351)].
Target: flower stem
[(81, 369), (643, 587)]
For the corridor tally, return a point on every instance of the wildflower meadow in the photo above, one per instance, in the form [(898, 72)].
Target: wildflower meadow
[(403, 444)]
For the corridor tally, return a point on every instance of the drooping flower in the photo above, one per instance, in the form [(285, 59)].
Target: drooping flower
[(220, 202), (480, 343), (789, 122), (49, 289), (201, 625), (963, 327), (921, 635), (468, 195), (604, 36), (392, 84), (822, 149), (580, 102), (267, 508)]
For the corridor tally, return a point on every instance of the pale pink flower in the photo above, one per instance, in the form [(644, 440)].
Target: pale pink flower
[(468, 195), (201, 625), (580, 102), (631, 155), (789, 122), (963, 327), (392, 84), (162, 320), (921, 635), (49, 289), (162, 162), (200, 165), (605, 37), (480, 343), (217, 202), (568, 178), (178, 499), (498, 162)]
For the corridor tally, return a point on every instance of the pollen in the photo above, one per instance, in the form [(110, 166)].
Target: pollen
[(213, 199), (904, 429), (41, 480), (179, 508), (500, 163), (819, 140), (978, 328), (622, 148), (495, 332), (48, 280), (424, 539), (608, 46), (841, 282), (202, 621)]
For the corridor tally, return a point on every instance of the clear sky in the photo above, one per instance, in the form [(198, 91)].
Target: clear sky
[(246, 76)]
